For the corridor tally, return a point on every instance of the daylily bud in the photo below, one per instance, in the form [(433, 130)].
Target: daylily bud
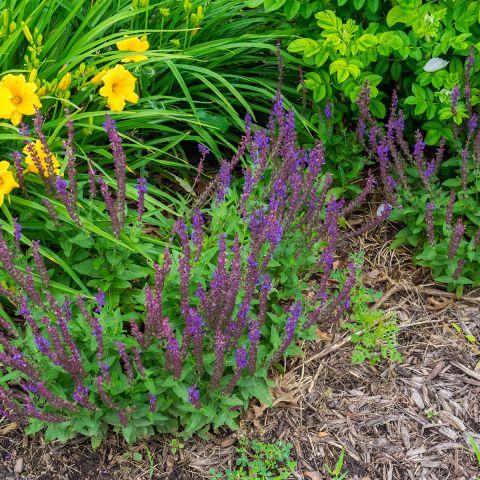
[(98, 77), (64, 83), (5, 18), (41, 92), (187, 6), (81, 68), (27, 33), (12, 27), (33, 75)]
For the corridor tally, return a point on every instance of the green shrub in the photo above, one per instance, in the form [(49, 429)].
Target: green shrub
[(350, 43)]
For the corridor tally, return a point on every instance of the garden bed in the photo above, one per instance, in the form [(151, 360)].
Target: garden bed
[(394, 421)]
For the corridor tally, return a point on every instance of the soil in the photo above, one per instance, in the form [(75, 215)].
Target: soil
[(395, 422)]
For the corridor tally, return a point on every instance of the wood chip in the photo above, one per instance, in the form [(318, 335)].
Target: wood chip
[(454, 421), (313, 475), (18, 468), (417, 399), (448, 432), (468, 371)]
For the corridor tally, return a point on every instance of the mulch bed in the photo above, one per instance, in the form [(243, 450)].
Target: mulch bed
[(406, 421)]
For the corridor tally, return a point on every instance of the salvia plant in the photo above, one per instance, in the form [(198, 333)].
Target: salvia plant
[(120, 315), (434, 190)]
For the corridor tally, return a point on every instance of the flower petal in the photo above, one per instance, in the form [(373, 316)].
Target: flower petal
[(116, 102), (435, 64)]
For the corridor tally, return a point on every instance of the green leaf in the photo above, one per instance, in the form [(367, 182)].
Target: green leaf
[(275, 339), (396, 71), (302, 45), (373, 5), (291, 8), (327, 20), (82, 240), (95, 441), (358, 4), (396, 14), (340, 66), (378, 108), (420, 107), (419, 92), (272, 5)]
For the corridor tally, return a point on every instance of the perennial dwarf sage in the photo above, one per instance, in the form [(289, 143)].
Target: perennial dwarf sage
[(173, 330)]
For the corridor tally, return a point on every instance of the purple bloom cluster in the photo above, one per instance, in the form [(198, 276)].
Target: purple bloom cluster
[(457, 236), (120, 167), (17, 232), (194, 396), (69, 147), (141, 187), (454, 96)]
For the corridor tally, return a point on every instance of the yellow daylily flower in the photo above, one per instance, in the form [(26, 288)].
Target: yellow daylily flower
[(118, 86), (42, 156), (133, 44), (7, 182), (22, 99)]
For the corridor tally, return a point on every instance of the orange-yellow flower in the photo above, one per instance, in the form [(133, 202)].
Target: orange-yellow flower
[(7, 182), (17, 98), (42, 157), (118, 86), (133, 44)]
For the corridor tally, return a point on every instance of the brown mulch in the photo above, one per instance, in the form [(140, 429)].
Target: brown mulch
[(406, 421)]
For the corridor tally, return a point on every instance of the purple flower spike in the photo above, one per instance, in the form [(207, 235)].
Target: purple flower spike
[(429, 221), (17, 232), (449, 214), (141, 186), (454, 96), (126, 361), (457, 235), (92, 181), (17, 160), (61, 186), (100, 299), (197, 233), (194, 396), (241, 361), (120, 167), (292, 321), (152, 400), (224, 177), (328, 111), (458, 269)]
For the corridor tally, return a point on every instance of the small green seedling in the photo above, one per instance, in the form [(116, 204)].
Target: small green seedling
[(336, 473)]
